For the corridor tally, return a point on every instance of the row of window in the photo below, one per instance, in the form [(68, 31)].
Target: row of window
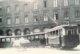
[(16, 9), (71, 31), (55, 4), (55, 33), (17, 20), (31, 38), (77, 14), (59, 32), (66, 2), (55, 17), (66, 14)]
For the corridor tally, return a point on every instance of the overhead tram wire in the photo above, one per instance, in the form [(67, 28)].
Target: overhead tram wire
[(54, 20)]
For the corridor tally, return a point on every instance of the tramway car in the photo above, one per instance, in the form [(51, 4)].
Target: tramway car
[(36, 39), (64, 36)]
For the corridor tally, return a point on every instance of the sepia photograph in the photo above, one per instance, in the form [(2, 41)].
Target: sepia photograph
[(39, 26)]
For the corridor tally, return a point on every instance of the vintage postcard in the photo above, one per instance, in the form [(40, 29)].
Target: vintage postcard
[(39, 26)]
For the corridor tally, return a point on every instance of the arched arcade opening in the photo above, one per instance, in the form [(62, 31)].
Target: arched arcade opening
[(1, 33), (17, 32), (26, 31), (9, 32)]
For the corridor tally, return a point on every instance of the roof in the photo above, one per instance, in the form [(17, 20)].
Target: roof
[(60, 27)]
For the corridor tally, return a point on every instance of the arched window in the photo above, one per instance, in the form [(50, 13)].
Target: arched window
[(17, 32), (26, 31), (9, 32), (1, 33), (36, 30)]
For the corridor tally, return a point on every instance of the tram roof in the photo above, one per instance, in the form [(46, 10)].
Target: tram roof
[(60, 27)]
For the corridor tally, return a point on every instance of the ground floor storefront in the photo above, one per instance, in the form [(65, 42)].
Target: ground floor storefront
[(23, 30)]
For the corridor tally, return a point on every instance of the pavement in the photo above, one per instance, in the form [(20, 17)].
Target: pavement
[(39, 50)]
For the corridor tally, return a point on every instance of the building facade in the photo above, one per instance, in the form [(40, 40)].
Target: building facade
[(31, 16)]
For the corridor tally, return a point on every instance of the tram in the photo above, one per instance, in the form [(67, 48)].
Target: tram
[(64, 36), (37, 39)]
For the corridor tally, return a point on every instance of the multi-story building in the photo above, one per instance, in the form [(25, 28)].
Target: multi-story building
[(30, 16)]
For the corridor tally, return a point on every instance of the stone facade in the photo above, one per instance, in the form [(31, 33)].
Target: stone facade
[(30, 16)]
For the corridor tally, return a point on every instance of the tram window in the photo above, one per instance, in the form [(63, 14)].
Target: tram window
[(8, 39), (60, 32), (32, 37), (41, 36), (0, 40), (50, 33), (29, 38), (13, 39), (53, 32), (36, 37), (16, 38), (79, 30), (69, 32), (56, 32), (74, 31), (3, 40)]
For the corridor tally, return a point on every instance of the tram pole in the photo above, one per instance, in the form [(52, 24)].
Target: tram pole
[(46, 37)]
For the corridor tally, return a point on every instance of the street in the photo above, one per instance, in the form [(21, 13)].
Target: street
[(39, 50)]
